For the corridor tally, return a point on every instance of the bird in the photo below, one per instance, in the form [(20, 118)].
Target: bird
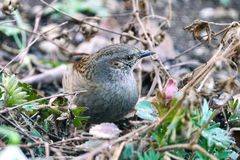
[(108, 78)]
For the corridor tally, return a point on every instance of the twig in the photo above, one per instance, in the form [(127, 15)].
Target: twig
[(136, 11), (7, 21), (36, 25), (135, 4), (92, 25), (198, 44), (153, 85), (169, 11), (118, 151), (43, 36), (89, 155), (173, 156), (139, 78), (196, 137), (46, 77), (27, 48), (20, 129), (38, 126), (194, 147), (81, 138), (184, 52), (206, 76), (138, 131), (37, 100), (58, 153)]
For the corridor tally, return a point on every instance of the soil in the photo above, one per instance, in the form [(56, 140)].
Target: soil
[(184, 12)]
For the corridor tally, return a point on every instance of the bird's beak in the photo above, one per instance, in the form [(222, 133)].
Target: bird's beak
[(145, 53)]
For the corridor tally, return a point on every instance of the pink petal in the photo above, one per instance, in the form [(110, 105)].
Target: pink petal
[(170, 89)]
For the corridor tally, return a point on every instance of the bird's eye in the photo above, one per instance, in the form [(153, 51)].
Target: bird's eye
[(117, 64), (130, 57)]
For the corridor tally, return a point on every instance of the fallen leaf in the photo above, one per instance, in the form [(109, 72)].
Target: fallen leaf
[(105, 130), (90, 145)]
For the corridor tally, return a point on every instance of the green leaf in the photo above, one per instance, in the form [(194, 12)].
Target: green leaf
[(214, 134), (60, 101), (206, 112), (146, 111), (225, 3), (77, 111), (51, 63), (14, 94), (150, 155), (29, 107), (217, 136), (160, 135), (32, 93), (9, 30), (78, 121), (35, 133), (73, 7), (11, 134), (78, 118), (128, 152), (233, 155)]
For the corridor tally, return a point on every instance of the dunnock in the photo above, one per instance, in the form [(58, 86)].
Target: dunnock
[(108, 78)]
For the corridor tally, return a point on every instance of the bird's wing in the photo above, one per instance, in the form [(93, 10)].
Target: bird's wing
[(73, 81)]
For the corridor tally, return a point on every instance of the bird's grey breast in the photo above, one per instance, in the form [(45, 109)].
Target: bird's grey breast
[(110, 101)]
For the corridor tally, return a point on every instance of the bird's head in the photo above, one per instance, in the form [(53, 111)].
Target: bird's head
[(118, 58)]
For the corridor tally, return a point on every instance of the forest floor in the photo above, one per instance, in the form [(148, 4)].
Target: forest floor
[(189, 105)]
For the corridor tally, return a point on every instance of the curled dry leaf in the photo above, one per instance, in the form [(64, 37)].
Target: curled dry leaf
[(232, 34), (51, 30), (129, 28), (93, 45), (105, 130), (199, 29), (9, 6), (87, 30), (221, 100), (48, 48)]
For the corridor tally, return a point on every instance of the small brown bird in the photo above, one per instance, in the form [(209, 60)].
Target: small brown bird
[(108, 78)]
